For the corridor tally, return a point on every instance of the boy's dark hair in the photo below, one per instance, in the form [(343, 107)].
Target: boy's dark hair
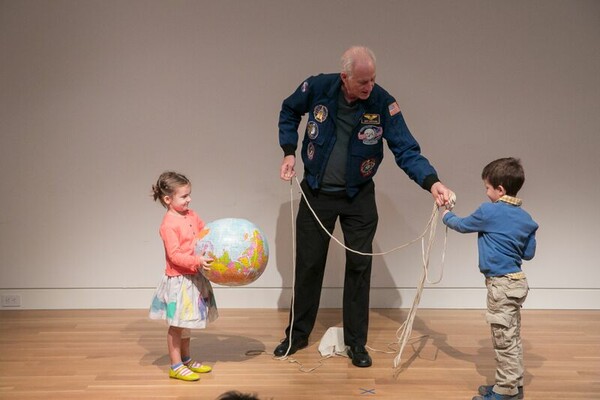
[(506, 172), (235, 395)]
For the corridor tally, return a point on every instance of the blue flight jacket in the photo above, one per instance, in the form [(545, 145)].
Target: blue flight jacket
[(377, 118)]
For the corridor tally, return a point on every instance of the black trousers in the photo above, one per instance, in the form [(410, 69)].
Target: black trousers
[(358, 219)]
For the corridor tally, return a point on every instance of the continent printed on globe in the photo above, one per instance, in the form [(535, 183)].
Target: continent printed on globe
[(238, 248)]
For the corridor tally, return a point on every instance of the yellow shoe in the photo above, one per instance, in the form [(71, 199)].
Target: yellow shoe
[(197, 367), (184, 373)]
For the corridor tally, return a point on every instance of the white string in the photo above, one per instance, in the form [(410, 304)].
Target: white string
[(290, 334), (403, 333), (356, 251), (283, 357)]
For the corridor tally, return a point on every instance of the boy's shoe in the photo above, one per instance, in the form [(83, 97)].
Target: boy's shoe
[(197, 367), (487, 389), (495, 396), (183, 373)]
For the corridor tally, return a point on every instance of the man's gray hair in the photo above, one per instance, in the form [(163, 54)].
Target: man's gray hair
[(350, 56)]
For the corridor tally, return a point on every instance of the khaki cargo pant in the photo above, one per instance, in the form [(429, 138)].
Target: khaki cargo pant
[(504, 301)]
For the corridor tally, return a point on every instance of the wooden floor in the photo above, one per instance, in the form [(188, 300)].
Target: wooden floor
[(120, 354)]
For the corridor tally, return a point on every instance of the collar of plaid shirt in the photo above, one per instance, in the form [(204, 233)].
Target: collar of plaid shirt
[(515, 201)]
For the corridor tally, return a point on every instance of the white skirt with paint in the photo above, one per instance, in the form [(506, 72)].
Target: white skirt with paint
[(185, 301)]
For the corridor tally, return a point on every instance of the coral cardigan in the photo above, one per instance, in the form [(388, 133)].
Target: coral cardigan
[(179, 233)]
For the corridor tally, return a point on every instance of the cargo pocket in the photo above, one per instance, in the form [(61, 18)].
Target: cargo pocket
[(499, 336), (517, 290)]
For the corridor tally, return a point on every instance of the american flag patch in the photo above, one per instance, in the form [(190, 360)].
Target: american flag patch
[(394, 109)]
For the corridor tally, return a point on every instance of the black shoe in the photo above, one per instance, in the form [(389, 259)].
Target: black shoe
[(297, 344), (360, 356)]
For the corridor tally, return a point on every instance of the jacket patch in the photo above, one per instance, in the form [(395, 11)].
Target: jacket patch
[(370, 134), (370, 119), (320, 113), (368, 167), (304, 87), (310, 151), (312, 130), (394, 109)]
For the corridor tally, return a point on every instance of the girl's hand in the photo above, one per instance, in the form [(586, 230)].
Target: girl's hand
[(204, 262)]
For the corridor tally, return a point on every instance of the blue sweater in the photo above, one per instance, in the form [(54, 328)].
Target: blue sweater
[(506, 236)]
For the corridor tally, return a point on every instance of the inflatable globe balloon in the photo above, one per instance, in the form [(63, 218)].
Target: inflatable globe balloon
[(239, 250)]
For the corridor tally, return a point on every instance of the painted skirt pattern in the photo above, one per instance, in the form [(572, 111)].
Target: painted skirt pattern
[(186, 301)]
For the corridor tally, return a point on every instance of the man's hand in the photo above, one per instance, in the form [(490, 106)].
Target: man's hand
[(441, 194), (287, 168)]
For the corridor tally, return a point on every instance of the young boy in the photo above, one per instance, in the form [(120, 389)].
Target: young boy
[(505, 237)]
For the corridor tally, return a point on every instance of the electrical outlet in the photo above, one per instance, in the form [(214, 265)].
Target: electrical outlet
[(11, 300)]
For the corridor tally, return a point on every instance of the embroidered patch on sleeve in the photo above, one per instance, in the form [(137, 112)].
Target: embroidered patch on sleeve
[(394, 109)]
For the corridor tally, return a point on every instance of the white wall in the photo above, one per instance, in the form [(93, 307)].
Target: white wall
[(97, 98)]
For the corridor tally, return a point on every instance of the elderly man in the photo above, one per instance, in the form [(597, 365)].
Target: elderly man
[(349, 115)]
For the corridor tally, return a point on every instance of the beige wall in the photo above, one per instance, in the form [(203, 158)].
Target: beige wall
[(98, 97)]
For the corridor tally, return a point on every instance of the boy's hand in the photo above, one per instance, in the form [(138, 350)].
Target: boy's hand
[(451, 201)]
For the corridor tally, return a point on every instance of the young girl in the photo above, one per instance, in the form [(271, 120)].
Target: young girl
[(184, 297)]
